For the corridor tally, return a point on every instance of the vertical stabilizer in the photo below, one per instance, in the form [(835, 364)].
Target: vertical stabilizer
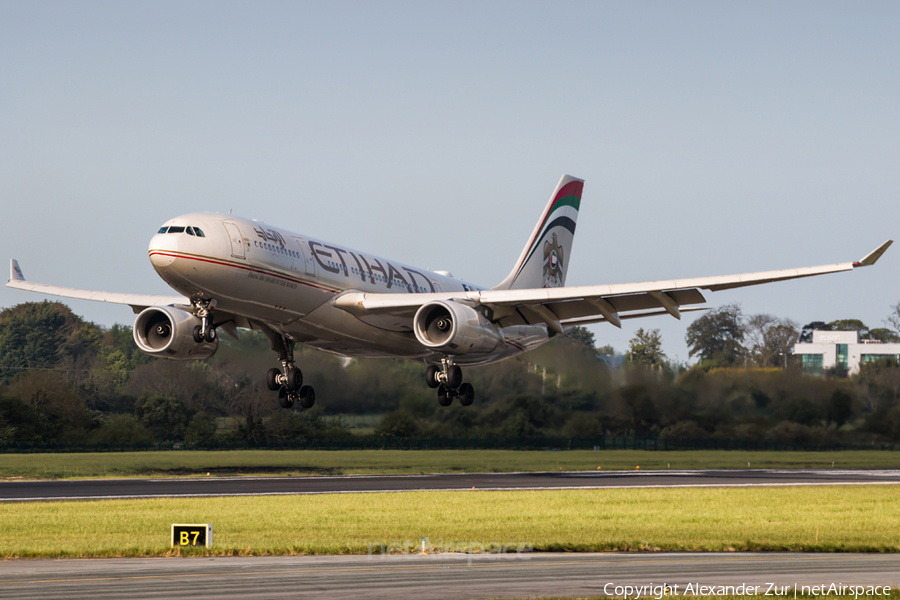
[(545, 258)]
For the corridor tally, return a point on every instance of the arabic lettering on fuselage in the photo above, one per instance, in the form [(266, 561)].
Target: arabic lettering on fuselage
[(270, 235), (336, 262)]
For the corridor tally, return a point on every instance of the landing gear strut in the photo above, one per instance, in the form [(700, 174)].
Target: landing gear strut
[(206, 331), (448, 379), (289, 383)]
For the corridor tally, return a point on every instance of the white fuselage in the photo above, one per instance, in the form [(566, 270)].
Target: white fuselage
[(287, 281)]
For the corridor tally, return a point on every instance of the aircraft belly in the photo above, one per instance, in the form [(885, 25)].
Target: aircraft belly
[(517, 340), (340, 332), (334, 330)]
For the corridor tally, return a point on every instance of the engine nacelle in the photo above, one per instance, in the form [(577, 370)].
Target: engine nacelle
[(167, 332), (454, 328)]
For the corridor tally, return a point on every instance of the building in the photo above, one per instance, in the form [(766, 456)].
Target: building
[(843, 349)]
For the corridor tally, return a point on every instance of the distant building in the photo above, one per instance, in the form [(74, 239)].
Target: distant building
[(830, 349)]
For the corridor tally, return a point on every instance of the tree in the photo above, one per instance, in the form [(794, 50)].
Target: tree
[(883, 334), (397, 423), (840, 407), (637, 398), (894, 317), (716, 337), (201, 429), (865, 333), (770, 339), (44, 335), (645, 348), (850, 325), (31, 336), (807, 331), (19, 421), (62, 414), (118, 429), (165, 417), (580, 335)]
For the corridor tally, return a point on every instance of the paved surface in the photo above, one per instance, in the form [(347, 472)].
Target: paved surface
[(247, 486), (446, 577)]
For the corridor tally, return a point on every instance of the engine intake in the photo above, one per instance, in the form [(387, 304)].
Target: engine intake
[(167, 332), (454, 328)]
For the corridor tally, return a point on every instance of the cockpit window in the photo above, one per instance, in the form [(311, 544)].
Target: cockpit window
[(162, 230), (174, 229), (190, 230), (199, 232)]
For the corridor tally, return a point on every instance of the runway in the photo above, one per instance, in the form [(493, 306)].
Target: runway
[(12, 491), (444, 576)]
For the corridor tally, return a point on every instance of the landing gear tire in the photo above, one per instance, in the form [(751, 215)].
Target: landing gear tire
[(211, 335), (272, 379), (285, 398), (454, 377), (431, 374), (466, 394), (288, 380), (307, 396), (445, 395), (294, 379), (198, 337)]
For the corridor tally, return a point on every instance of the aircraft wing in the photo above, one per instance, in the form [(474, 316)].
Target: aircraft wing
[(137, 302), (558, 307)]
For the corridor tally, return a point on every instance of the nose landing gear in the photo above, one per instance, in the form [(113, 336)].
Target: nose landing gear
[(448, 379), (289, 383), (206, 331)]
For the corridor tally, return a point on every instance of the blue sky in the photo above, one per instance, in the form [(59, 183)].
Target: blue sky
[(714, 138)]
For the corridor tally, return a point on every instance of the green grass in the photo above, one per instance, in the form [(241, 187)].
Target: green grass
[(840, 518), (136, 464)]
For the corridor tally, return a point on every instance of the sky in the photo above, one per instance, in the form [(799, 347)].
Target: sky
[(714, 138)]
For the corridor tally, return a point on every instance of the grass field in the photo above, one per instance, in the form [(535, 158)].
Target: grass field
[(848, 518), (311, 462)]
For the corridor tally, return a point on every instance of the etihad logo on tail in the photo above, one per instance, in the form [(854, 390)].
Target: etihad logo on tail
[(553, 263), (563, 212)]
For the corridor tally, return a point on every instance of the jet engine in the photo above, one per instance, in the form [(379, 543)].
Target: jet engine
[(167, 332), (454, 328)]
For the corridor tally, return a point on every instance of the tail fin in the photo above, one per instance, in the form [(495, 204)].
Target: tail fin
[(544, 261)]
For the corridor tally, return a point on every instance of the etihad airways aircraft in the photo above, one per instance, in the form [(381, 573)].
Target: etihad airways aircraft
[(237, 273)]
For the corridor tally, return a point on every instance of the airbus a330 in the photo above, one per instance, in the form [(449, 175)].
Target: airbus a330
[(237, 273)]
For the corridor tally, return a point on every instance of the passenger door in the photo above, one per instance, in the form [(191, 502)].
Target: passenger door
[(237, 240), (308, 260)]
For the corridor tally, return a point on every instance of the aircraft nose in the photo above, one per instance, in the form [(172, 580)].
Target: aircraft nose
[(162, 247)]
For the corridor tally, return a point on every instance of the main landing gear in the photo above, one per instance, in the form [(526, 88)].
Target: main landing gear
[(289, 383), (447, 378), (206, 331)]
